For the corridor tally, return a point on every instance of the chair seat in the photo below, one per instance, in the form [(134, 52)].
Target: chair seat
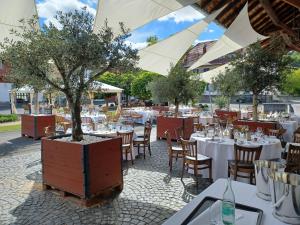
[(241, 164), (200, 158), (139, 139)]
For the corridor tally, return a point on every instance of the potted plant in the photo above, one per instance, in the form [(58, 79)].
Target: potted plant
[(69, 57), (178, 87)]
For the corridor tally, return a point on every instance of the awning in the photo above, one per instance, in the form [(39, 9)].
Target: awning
[(158, 57), (134, 13), (104, 88), (240, 34), (11, 12)]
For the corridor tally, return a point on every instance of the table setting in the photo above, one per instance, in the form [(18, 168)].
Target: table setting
[(217, 144)]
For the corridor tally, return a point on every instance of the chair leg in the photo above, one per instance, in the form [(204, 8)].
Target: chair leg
[(183, 167), (131, 157), (235, 173), (251, 177), (170, 162), (210, 170), (149, 148), (138, 148), (196, 174), (144, 148)]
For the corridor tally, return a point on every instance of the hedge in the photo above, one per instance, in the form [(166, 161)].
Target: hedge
[(8, 118)]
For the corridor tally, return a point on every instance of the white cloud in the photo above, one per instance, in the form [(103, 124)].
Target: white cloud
[(137, 45), (211, 30), (186, 14), (201, 41), (47, 9)]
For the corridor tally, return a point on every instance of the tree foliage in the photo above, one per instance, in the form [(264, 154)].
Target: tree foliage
[(69, 57), (261, 69), (177, 87), (151, 40), (140, 83), (292, 84)]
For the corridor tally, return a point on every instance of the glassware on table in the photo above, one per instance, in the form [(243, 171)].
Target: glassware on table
[(228, 205), (214, 215)]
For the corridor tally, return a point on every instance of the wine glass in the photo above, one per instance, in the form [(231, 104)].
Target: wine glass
[(214, 215)]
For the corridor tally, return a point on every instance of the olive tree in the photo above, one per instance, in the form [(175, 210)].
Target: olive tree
[(69, 57)]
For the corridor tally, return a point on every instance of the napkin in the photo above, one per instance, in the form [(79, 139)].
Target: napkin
[(242, 217)]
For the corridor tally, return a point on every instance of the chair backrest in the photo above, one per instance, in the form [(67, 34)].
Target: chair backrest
[(169, 141), (247, 154), (49, 131), (296, 137), (126, 137), (198, 127), (178, 133), (86, 120), (293, 154), (189, 148), (274, 132), (195, 119)]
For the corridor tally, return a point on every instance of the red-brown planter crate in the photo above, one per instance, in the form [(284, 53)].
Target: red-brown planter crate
[(172, 123), (34, 125), (253, 125), (223, 114), (84, 170)]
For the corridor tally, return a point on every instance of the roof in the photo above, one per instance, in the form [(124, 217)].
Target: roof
[(266, 16), (199, 50), (104, 88)]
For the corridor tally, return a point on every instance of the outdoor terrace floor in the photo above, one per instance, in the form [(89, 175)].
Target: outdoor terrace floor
[(150, 195)]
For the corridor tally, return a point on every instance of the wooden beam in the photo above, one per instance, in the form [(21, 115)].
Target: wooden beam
[(268, 8), (288, 42), (295, 3)]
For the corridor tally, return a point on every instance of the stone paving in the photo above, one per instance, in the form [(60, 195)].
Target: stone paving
[(151, 194)]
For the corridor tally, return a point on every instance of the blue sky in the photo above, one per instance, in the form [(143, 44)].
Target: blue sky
[(162, 27)]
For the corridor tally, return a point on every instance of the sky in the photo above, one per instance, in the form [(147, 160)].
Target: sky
[(162, 27)]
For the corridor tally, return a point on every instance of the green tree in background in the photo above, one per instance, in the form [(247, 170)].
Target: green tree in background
[(152, 40), (62, 56), (228, 84), (292, 83), (140, 83), (261, 69), (178, 87), (123, 81)]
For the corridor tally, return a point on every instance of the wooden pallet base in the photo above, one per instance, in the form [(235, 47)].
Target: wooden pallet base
[(101, 199)]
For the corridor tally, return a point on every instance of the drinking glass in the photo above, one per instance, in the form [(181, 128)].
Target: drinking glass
[(214, 215)]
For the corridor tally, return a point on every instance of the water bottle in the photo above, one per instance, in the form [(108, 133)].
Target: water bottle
[(228, 205)]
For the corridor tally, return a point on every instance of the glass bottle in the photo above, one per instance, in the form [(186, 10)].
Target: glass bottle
[(228, 205)]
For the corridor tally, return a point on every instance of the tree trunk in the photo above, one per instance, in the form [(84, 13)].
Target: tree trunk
[(36, 102), (228, 104), (77, 134), (255, 104), (176, 106)]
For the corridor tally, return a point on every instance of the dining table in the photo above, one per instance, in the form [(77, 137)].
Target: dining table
[(245, 194), (290, 126), (222, 149), (96, 117)]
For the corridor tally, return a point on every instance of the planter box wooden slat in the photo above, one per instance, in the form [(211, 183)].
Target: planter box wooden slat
[(34, 125), (223, 114), (171, 124), (84, 170)]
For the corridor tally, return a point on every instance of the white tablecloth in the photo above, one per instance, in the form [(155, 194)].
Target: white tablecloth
[(147, 115), (290, 127), (245, 194), (95, 118), (221, 152)]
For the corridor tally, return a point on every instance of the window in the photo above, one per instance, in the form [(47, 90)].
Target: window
[(205, 69)]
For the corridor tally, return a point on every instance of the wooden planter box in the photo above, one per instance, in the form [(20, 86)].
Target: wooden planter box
[(88, 172), (253, 125), (223, 114), (172, 123), (34, 125)]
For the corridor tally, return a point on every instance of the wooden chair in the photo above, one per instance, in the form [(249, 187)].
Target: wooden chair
[(87, 121), (278, 133), (144, 140), (178, 133), (243, 161), (49, 131), (192, 159), (198, 127), (61, 121), (293, 159), (173, 151), (195, 119), (296, 137), (126, 144)]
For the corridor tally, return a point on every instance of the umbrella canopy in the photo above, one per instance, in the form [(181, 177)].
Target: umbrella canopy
[(104, 88)]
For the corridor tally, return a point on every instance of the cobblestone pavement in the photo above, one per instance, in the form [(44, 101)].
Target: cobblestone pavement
[(151, 194)]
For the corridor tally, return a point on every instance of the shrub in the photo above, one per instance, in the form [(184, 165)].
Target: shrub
[(8, 118)]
